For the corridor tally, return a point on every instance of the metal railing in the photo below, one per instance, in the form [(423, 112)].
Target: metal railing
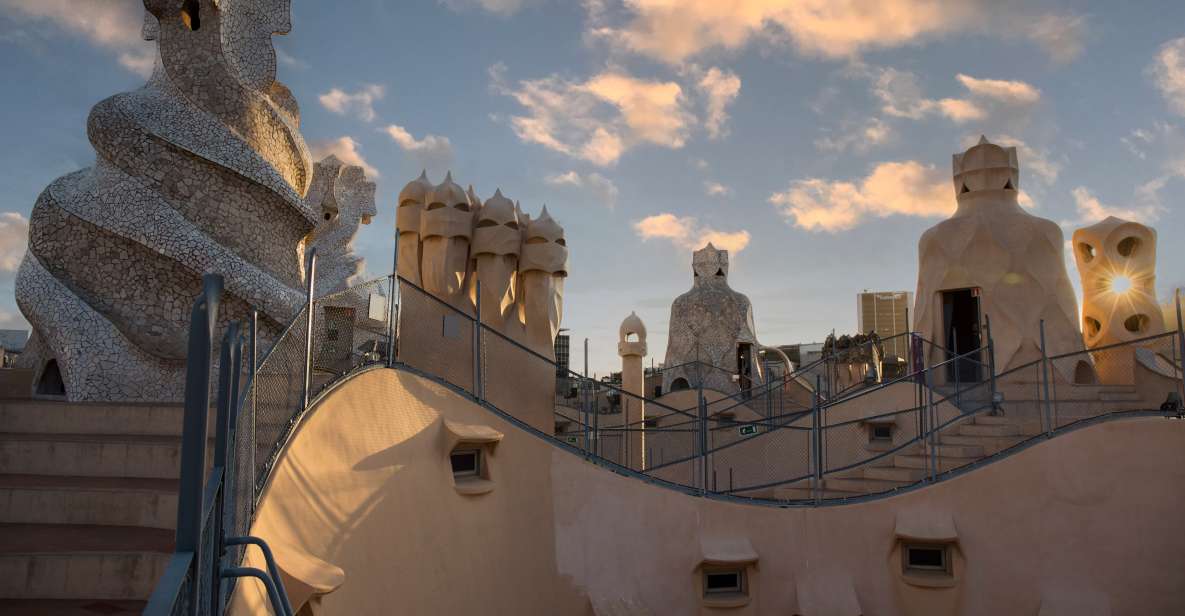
[(258, 406), (789, 441)]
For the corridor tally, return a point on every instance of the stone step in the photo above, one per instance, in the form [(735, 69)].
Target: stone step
[(52, 417), (988, 430), (70, 607), (991, 444), (956, 451), (1119, 396), (991, 420), (112, 501), (68, 561), (895, 473), (91, 455), (945, 463), (862, 485)]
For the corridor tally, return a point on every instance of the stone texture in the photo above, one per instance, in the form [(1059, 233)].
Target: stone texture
[(201, 170), (346, 201), (707, 324)]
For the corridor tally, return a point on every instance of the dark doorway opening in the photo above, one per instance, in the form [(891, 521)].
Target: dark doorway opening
[(961, 318), (680, 384), (744, 368), (51, 383)]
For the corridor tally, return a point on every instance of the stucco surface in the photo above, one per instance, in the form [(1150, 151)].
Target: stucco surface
[(365, 485), (1014, 258)]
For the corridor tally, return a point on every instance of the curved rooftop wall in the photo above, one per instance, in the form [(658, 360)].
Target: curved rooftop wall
[(365, 488)]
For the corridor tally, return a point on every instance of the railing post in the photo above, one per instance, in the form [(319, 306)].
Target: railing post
[(254, 371), (958, 365), (816, 441), (584, 389), (931, 423), (1181, 342), (391, 289), (1045, 375), (702, 411), (227, 383), (477, 346), (203, 320), (308, 342), (987, 322)]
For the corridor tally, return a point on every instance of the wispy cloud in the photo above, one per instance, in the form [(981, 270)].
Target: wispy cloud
[(720, 88), (685, 232), (346, 149), (433, 152), (860, 138), (906, 188), (110, 24), (674, 32), (497, 7), (601, 187), (1091, 210), (359, 103), (716, 189), (14, 234), (600, 118), (901, 96), (1168, 73)]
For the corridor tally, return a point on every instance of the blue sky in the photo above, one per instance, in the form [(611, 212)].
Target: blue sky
[(811, 137)]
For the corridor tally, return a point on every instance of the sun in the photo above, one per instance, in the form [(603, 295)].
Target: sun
[(1121, 284)]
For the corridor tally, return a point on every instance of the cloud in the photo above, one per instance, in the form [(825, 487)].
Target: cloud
[(873, 132), (685, 232), (110, 24), (1061, 36), (1091, 210), (14, 240), (433, 152), (360, 103), (901, 96), (598, 119), (673, 32), (1138, 140), (1168, 73), (716, 189), (346, 149), (1005, 91), (497, 7), (906, 188), (720, 89), (601, 187)]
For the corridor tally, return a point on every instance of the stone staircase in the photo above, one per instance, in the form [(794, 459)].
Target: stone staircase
[(88, 503), (977, 437)]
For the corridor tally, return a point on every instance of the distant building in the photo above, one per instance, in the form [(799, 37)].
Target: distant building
[(12, 343), (887, 314), (563, 354)]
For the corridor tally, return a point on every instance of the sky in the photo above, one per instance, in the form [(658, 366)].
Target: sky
[(810, 138)]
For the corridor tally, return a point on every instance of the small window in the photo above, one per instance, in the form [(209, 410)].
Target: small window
[(726, 419), (881, 433), (923, 558), (650, 423), (466, 463), (724, 582)]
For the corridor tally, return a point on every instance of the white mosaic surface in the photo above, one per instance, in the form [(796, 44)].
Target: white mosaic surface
[(202, 170)]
